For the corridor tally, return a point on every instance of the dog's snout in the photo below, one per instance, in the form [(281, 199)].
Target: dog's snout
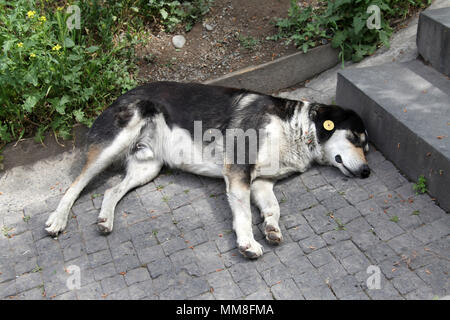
[(365, 171), (338, 159)]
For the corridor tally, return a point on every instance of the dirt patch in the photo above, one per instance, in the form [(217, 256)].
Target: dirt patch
[(237, 40)]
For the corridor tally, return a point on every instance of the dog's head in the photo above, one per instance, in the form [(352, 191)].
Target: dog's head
[(343, 138)]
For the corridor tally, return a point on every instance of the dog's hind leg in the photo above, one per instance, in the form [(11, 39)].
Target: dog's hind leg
[(97, 160), (265, 200), (138, 173)]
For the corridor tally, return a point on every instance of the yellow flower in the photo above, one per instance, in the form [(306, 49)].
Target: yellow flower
[(32, 55), (31, 14), (43, 19), (59, 8), (56, 48), (20, 44)]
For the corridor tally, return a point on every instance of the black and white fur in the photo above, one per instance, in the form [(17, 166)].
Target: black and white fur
[(150, 124)]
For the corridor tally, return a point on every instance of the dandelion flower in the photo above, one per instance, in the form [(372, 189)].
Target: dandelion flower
[(56, 48), (20, 44), (59, 8), (32, 55), (31, 14), (42, 19)]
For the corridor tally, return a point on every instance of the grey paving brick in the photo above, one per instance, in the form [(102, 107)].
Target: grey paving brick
[(104, 271), (324, 192), (313, 243), (195, 237), (408, 282), (173, 245), (8, 289), (344, 249), (380, 252), (275, 274), (336, 236), (252, 284), (286, 290), (313, 182), (346, 214), (355, 263), (356, 195), (320, 257), (160, 267), (319, 219), (242, 271), (28, 281), (432, 231), (346, 286), (122, 294), (263, 294), (137, 275), (288, 251), (309, 279), (332, 270), (300, 232), (99, 258), (209, 256), (322, 292), (90, 292), (150, 254), (113, 284), (404, 243), (96, 244)]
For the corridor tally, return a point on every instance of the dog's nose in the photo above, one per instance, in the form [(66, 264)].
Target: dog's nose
[(365, 171)]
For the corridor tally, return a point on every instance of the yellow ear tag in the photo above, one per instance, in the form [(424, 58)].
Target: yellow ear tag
[(328, 125)]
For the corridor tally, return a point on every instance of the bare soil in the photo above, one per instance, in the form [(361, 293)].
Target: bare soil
[(237, 40)]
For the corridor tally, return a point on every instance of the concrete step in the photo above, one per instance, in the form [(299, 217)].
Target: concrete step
[(433, 38), (406, 108)]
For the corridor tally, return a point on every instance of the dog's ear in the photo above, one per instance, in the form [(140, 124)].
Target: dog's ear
[(123, 116)]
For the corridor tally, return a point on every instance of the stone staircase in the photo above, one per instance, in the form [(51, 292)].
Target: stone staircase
[(406, 106)]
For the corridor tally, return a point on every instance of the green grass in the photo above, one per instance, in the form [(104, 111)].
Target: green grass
[(394, 219), (248, 42)]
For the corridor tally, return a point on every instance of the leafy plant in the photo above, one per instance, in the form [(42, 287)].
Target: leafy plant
[(54, 76), (343, 23), (248, 42), (421, 185)]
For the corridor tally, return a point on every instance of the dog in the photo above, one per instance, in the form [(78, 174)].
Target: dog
[(193, 127)]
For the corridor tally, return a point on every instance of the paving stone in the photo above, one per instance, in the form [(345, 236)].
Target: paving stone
[(137, 275), (160, 267), (322, 292), (309, 279), (324, 192), (300, 232), (355, 263), (264, 294), (313, 243), (104, 271), (332, 270), (275, 274), (344, 249), (335, 236), (313, 182), (408, 282), (99, 258), (252, 284), (92, 291), (8, 289), (242, 271), (320, 257), (346, 286), (28, 281), (404, 243), (319, 219), (112, 284), (150, 254), (432, 231), (286, 290), (209, 256)]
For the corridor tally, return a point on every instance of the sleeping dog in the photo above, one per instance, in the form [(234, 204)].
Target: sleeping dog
[(249, 139)]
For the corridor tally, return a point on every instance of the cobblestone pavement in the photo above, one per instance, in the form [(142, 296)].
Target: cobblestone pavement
[(172, 239)]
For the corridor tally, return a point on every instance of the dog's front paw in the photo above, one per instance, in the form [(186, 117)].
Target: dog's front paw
[(273, 233), (105, 225), (250, 248), (56, 223)]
